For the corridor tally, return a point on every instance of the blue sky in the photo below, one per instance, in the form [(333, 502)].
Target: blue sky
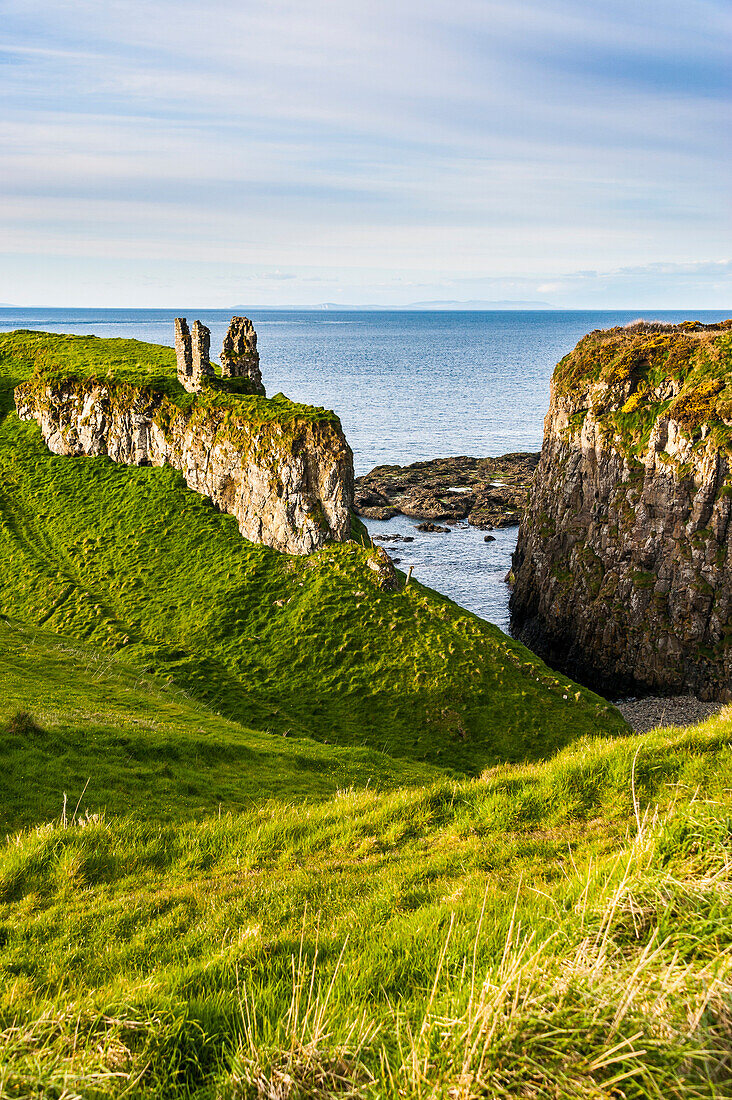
[(386, 151)]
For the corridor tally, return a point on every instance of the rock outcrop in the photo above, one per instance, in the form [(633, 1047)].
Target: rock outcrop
[(383, 566), (285, 471), (623, 572), (489, 492)]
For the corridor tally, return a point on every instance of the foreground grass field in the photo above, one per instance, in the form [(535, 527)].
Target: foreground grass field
[(217, 912), (560, 929)]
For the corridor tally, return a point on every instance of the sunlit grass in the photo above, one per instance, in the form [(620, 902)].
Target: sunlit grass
[(515, 935), (275, 833)]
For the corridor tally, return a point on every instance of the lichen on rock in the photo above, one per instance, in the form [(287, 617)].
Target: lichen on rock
[(622, 574)]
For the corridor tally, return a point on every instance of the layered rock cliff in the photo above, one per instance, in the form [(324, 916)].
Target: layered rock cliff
[(623, 572), (284, 470)]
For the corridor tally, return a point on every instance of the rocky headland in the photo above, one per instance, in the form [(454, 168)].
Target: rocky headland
[(285, 471), (332, 645), (622, 572), (488, 492)]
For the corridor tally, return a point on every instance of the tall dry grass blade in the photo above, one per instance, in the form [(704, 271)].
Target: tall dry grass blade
[(76, 810), (636, 808)]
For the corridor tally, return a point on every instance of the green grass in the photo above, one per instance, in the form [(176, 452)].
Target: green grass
[(133, 563), (561, 929), (456, 877), (76, 721)]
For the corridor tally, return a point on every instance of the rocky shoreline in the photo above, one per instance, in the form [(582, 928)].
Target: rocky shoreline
[(649, 712), (488, 492)]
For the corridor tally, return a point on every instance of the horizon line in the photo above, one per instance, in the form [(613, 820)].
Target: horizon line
[(350, 308)]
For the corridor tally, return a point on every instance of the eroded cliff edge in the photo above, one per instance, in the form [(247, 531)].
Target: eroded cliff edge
[(285, 471), (622, 572)]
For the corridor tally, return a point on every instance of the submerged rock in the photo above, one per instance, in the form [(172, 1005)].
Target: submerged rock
[(623, 572)]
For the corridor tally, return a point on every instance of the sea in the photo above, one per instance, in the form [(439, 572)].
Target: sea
[(408, 386)]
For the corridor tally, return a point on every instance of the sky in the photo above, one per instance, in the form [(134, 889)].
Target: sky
[(365, 151)]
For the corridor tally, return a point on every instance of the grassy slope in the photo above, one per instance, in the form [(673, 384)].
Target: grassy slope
[(551, 930), (139, 745), (134, 563), (506, 937)]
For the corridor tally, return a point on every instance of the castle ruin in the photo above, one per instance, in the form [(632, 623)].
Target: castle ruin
[(239, 355), (192, 351)]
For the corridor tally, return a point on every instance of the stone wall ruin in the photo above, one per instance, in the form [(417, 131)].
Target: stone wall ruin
[(192, 354), (239, 355)]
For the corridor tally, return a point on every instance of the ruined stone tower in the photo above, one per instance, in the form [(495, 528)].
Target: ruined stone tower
[(192, 354), (239, 355)]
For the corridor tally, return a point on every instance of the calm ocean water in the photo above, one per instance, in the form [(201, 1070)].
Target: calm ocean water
[(407, 386)]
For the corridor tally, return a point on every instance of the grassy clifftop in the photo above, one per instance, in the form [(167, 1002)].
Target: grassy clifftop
[(43, 357), (132, 562), (632, 375)]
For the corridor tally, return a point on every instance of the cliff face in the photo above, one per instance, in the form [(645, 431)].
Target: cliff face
[(284, 471), (622, 572)]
